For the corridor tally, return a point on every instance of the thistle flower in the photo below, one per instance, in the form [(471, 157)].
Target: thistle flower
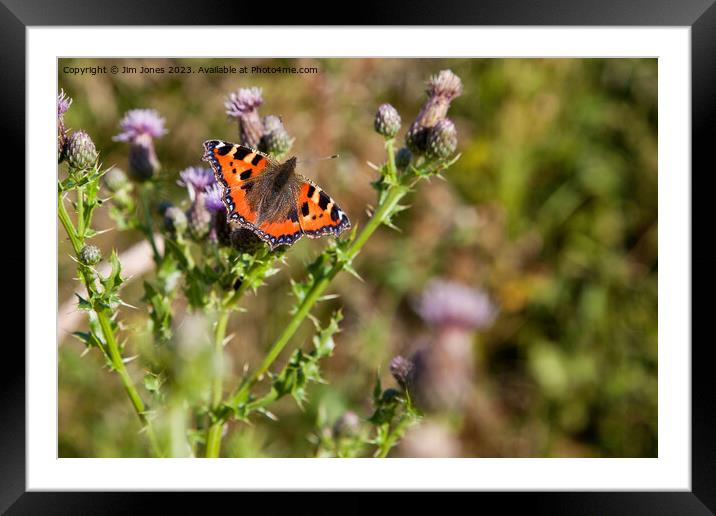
[(80, 151), (275, 140), (139, 128), (449, 304), (196, 179), (175, 220), (243, 105), (138, 122), (442, 89), (387, 121), (402, 370), (63, 104), (402, 158), (442, 140), (213, 200), (90, 255)]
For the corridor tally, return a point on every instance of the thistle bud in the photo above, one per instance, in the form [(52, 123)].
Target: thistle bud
[(115, 180), (442, 140), (80, 151), (90, 255), (387, 121), (402, 369), (275, 140), (199, 218), (402, 158), (175, 221)]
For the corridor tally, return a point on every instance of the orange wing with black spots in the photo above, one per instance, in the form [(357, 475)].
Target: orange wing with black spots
[(318, 213), (236, 167)]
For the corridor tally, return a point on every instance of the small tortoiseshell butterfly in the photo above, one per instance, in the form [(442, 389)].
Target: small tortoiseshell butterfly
[(269, 198)]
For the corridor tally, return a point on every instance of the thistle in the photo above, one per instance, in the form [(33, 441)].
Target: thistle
[(442, 89), (140, 127), (387, 121), (63, 104), (80, 151), (275, 140), (90, 255), (243, 105)]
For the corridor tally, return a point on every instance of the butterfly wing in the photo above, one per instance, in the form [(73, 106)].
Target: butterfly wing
[(236, 167), (318, 213)]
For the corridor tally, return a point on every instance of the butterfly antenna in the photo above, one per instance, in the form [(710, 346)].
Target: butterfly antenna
[(311, 160)]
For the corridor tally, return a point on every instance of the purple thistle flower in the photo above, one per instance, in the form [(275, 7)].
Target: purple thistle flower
[(402, 369), (213, 199), (442, 89), (196, 179), (243, 105), (449, 304), (137, 122), (242, 101), (63, 103)]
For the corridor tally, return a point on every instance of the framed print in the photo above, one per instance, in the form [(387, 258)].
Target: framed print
[(450, 258)]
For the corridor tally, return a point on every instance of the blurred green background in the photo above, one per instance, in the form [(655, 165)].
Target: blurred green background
[(552, 209)]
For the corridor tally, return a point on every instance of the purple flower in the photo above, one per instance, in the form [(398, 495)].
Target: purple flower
[(63, 103), (196, 179), (402, 369), (442, 89), (213, 199), (137, 122), (449, 304), (243, 101), (243, 105), (445, 84)]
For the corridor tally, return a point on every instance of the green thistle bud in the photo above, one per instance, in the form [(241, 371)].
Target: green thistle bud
[(442, 140), (402, 158), (90, 255), (387, 121), (275, 140), (115, 180), (80, 151), (175, 221)]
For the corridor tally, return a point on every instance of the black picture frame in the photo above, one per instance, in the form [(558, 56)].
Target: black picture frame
[(700, 15)]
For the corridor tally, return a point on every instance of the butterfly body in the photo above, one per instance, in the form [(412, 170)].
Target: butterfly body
[(270, 198)]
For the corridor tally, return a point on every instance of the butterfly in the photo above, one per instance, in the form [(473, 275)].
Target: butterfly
[(270, 198)]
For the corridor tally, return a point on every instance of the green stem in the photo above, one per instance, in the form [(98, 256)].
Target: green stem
[(394, 435), (81, 212), (147, 226), (112, 350), (213, 438), (67, 224)]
